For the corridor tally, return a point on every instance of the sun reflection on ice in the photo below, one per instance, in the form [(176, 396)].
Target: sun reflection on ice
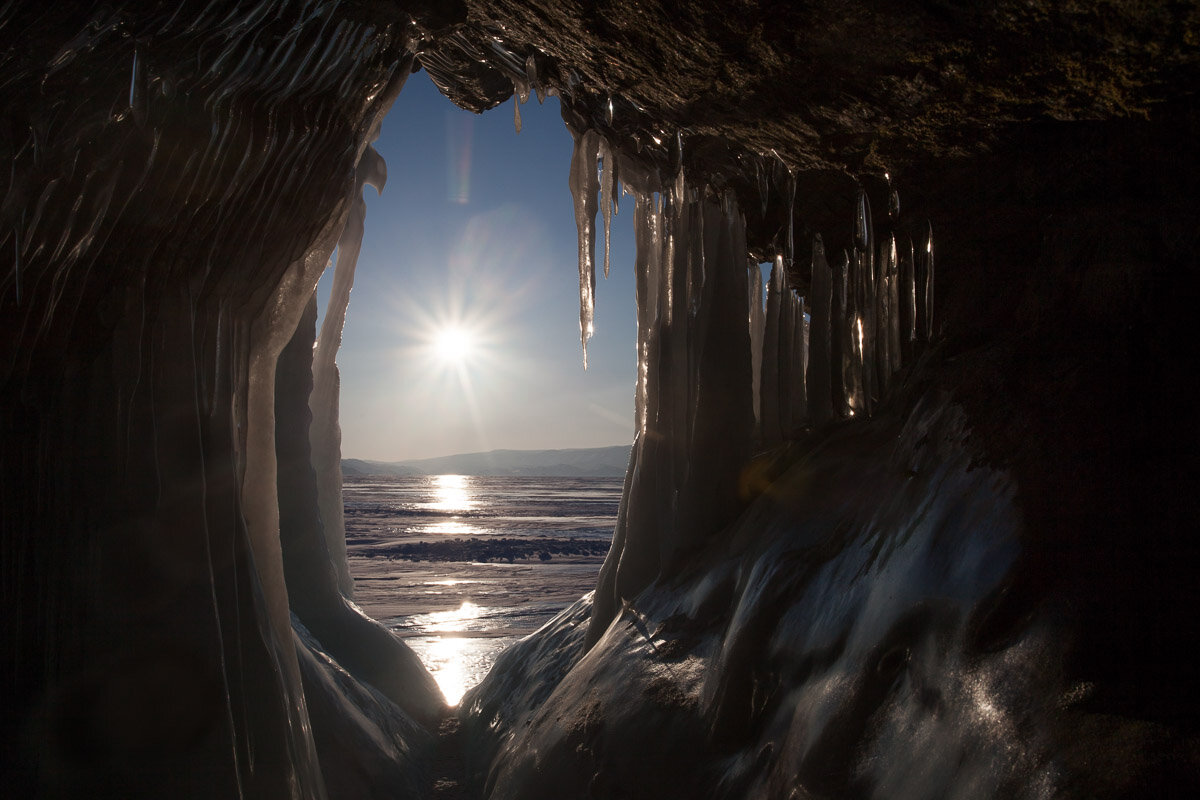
[(453, 657), (450, 528), (445, 660), (450, 621), (452, 493)]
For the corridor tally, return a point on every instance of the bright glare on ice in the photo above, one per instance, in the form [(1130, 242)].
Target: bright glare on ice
[(448, 668), (451, 493), (452, 621)]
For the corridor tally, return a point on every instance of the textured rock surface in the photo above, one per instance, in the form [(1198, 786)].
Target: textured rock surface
[(837, 84)]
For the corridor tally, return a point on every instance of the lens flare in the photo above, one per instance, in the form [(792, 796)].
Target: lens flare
[(453, 345)]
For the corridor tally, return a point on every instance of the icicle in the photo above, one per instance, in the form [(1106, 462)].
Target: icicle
[(798, 370), (805, 352), (680, 356), (883, 356), (839, 343), (532, 74), (865, 323), (683, 477), (609, 112), (520, 86), (769, 380), (858, 270), (820, 407), (893, 282), (675, 168), (756, 319), (908, 300), (852, 376), (789, 256), (787, 357), (607, 184), (583, 184), (929, 283), (642, 276), (325, 434), (862, 223), (668, 228), (871, 303)]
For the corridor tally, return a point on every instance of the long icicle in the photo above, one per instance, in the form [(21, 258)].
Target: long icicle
[(769, 377), (819, 384), (325, 433), (584, 184), (608, 175)]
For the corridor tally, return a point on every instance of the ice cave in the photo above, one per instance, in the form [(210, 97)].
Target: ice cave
[(897, 531)]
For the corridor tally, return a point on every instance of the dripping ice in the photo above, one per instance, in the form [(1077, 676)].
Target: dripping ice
[(593, 185), (584, 183), (722, 370)]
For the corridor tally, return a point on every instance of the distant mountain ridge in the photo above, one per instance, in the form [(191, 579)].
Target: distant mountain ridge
[(586, 462)]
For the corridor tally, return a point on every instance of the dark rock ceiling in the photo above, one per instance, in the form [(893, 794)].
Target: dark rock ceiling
[(829, 84)]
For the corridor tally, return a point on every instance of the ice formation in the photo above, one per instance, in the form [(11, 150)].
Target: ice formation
[(163, 268), (325, 433), (818, 374), (583, 183), (951, 597), (718, 375), (694, 399), (608, 194)]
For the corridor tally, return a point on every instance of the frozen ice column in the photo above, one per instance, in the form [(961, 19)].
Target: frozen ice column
[(695, 398), (325, 434)]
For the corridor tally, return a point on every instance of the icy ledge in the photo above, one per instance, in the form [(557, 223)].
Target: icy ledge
[(839, 635)]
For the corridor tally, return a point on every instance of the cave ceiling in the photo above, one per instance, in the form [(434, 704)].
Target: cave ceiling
[(825, 85)]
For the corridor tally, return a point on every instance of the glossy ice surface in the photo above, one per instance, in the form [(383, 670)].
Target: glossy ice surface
[(458, 615)]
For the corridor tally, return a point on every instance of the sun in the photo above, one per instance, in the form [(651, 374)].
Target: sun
[(453, 345)]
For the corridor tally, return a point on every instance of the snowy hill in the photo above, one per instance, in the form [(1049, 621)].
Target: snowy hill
[(588, 462)]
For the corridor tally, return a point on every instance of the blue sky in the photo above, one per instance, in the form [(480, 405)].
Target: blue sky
[(475, 230)]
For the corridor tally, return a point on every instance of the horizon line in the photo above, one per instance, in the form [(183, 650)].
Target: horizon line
[(487, 452)]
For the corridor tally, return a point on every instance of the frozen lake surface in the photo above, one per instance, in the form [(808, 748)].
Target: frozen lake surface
[(462, 566)]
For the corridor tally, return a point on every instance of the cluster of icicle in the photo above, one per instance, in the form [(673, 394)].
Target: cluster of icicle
[(835, 355), (694, 402), (863, 317), (720, 372)]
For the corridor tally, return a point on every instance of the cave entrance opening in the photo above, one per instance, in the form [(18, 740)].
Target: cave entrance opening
[(463, 338)]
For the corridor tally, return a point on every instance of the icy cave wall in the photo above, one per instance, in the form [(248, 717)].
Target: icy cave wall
[(983, 590), (179, 177)]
